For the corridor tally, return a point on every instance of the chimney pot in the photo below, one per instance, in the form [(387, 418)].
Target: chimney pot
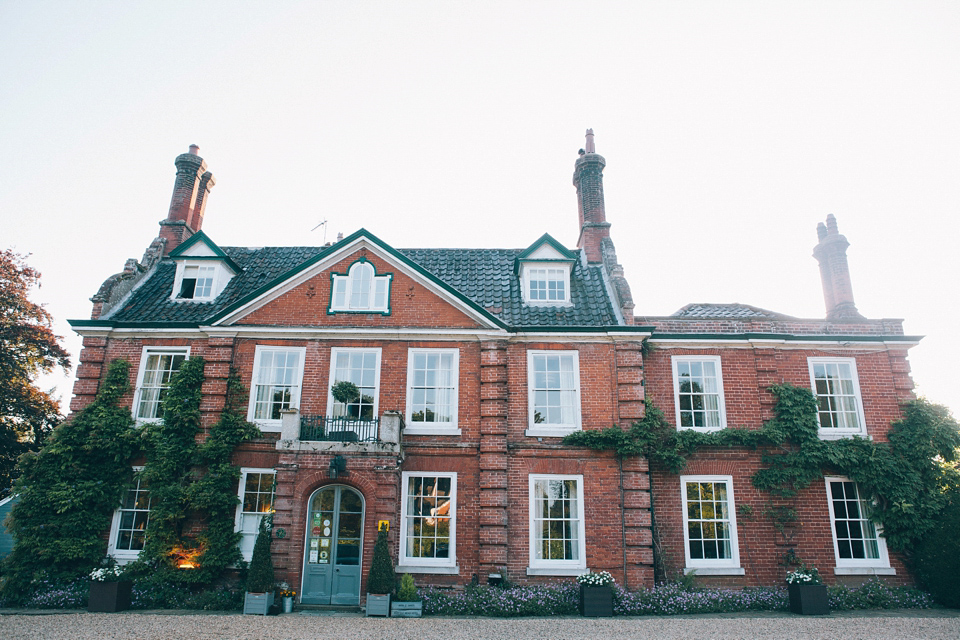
[(588, 179), (831, 253), (194, 150)]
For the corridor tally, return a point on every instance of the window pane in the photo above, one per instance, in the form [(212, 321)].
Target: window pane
[(698, 393), (836, 391)]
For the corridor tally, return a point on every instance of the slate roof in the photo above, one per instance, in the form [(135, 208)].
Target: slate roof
[(485, 276), (734, 310)]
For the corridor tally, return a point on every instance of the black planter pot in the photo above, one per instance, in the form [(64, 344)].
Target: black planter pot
[(109, 597), (809, 599), (596, 602)]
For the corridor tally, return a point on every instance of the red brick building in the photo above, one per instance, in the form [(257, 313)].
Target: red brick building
[(468, 366)]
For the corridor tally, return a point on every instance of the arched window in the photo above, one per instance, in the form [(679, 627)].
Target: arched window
[(360, 290)]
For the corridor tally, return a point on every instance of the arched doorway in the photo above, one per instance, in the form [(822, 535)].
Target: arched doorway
[(333, 556)]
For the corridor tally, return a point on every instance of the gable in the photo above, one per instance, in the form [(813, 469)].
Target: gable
[(306, 298)]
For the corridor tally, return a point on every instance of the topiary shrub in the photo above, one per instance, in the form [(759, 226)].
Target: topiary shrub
[(937, 558), (382, 578), (345, 392), (260, 577)]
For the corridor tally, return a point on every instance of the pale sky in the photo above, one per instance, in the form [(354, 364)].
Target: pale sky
[(730, 129)]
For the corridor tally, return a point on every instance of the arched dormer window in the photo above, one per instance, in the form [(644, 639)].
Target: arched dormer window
[(360, 290)]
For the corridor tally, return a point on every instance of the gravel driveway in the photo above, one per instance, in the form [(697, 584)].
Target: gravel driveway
[(926, 625)]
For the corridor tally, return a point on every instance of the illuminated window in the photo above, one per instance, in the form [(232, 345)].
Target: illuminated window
[(709, 523), (256, 500), (429, 519), (129, 530)]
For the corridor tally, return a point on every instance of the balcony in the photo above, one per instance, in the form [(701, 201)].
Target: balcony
[(321, 433)]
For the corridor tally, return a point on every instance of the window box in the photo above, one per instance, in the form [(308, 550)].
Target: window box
[(378, 605), (596, 602), (809, 599), (257, 603), (109, 597), (405, 609)]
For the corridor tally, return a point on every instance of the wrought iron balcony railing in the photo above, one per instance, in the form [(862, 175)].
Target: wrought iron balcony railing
[(324, 429)]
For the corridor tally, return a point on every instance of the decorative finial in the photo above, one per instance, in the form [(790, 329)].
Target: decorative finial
[(591, 148)]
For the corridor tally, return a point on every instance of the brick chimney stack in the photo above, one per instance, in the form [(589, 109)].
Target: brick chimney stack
[(190, 191), (588, 179), (831, 253)]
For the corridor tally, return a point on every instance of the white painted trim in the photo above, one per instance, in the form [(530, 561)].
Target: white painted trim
[(856, 566), (701, 565), (410, 568), (428, 565), (333, 372), (265, 424), (122, 556), (864, 571), (144, 354), (335, 257), (781, 343), (221, 278), (676, 391), (241, 490), (715, 571), (551, 430), (528, 266), (836, 433), (439, 428), (556, 567)]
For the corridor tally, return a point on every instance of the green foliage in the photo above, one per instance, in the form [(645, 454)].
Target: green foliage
[(180, 488), (382, 579), (937, 558), (874, 593), (407, 592), (906, 476), (69, 490), (260, 578), (345, 392), (28, 347)]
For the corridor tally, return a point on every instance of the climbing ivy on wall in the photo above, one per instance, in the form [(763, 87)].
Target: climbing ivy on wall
[(907, 475), (190, 480), (69, 489)]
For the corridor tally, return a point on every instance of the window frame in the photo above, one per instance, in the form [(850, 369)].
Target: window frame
[(721, 403), (270, 424), (427, 428), (241, 493), (219, 279), (836, 433), (353, 273), (413, 564), (527, 270), (856, 566), (145, 354), (123, 556), (334, 352), (534, 429), (709, 566), (556, 567)]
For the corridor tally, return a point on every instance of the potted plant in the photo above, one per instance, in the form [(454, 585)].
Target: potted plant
[(260, 585), (596, 594), (109, 592), (287, 595), (408, 603), (381, 579), (808, 594)]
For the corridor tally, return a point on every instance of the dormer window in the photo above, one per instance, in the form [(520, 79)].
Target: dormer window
[(544, 270), (197, 283), (360, 290), (203, 270), (547, 285)]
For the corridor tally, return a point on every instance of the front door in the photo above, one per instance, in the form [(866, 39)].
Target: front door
[(333, 558)]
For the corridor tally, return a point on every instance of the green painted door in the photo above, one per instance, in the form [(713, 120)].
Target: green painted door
[(333, 558)]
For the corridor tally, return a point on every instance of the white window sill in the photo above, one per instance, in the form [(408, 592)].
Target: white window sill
[(431, 431), (124, 559), (549, 303), (417, 568), (702, 429), (555, 432), (714, 571), (825, 434), (865, 571), (556, 571)]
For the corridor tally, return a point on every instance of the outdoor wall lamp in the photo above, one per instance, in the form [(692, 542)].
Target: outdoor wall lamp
[(338, 468)]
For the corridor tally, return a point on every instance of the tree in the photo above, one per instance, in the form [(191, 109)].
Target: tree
[(28, 347)]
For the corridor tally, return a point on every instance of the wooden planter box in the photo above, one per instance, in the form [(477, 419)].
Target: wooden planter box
[(378, 605), (405, 609), (109, 597), (257, 603), (596, 602), (809, 599)]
